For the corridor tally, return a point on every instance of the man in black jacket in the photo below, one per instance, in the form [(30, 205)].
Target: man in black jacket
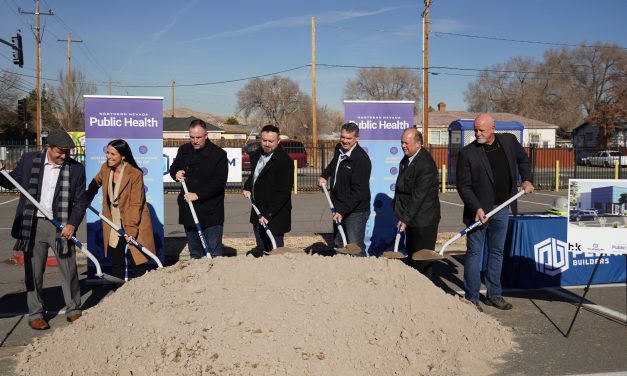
[(204, 167), (416, 203), (349, 177), (487, 176), (270, 188)]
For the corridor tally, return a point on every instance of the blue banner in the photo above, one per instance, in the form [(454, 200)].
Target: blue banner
[(537, 255), (381, 125), (139, 121)]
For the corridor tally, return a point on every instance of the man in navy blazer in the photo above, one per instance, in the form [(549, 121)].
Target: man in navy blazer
[(416, 203), (58, 183), (487, 175)]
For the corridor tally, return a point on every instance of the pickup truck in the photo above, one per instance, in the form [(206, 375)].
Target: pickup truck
[(606, 158)]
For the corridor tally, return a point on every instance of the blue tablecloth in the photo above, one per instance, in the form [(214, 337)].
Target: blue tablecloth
[(536, 255)]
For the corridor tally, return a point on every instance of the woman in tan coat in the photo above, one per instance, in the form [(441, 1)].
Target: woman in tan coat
[(123, 202)]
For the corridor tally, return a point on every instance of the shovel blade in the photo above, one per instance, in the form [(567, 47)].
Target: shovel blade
[(394, 255), (425, 255), (112, 279), (350, 249), (280, 251)]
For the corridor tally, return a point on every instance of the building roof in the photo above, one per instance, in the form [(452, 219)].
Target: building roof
[(176, 124), (442, 119)]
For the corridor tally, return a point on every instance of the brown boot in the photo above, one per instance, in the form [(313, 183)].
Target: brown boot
[(39, 324)]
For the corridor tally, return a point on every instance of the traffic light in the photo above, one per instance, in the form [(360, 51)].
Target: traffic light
[(18, 55), (21, 111)]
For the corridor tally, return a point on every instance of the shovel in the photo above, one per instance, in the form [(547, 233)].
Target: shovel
[(59, 226), (198, 228), (275, 250), (350, 249), (395, 254), (472, 227), (123, 233)]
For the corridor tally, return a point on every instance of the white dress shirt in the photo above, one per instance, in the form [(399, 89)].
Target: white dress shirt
[(48, 185)]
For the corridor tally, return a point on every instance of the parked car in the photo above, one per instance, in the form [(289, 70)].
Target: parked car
[(295, 149), (607, 158), (584, 215)]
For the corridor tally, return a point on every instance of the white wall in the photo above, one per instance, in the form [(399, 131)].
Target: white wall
[(539, 136)]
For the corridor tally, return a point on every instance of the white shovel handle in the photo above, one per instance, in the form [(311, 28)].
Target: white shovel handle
[(265, 226), (49, 216), (340, 228), (196, 222), (145, 250), (478, 223)]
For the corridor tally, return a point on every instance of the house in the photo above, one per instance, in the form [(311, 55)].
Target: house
[(535, 132), (586, 135), (177, 128)]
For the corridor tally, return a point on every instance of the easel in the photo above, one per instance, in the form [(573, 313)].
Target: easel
[(585, 291)]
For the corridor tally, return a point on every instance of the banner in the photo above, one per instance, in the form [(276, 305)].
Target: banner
[(139, 121), (381, 125), (597, 216), (233, 155)]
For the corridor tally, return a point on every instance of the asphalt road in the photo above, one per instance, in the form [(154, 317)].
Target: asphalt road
[(540, 317)]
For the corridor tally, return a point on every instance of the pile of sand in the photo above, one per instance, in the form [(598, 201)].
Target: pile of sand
[(280, 315)]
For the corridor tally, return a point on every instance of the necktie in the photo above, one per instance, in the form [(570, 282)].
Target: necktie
[(404, 163)]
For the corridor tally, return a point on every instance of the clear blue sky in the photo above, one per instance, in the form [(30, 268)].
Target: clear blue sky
[(191, 42)]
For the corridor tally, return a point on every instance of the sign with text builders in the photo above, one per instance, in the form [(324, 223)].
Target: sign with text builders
[(381, 125), (139, 121)]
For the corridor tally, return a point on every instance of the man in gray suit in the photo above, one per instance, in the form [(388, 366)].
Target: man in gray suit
[(416, 203)]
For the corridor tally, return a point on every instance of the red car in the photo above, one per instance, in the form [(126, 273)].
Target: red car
[(295, 149)]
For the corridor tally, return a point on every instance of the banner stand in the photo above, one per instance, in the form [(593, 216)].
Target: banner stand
[(587, 288)]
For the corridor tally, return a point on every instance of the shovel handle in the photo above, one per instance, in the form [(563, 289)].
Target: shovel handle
[(123, 233), (56, 223), (340, 229), (265, 226), (478, 223), (397, 240), (196, 222)]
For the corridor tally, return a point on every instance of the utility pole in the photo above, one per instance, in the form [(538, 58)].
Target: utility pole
[(425, 73), (69, 80), (313, 92), (37, 13), (172, 98), (109, 84)]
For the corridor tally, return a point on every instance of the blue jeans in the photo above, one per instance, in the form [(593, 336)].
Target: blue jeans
[(263, 241), (494, 232), (354, 225), (213, 237)]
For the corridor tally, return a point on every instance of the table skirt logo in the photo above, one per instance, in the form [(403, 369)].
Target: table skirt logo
[(551, 256)]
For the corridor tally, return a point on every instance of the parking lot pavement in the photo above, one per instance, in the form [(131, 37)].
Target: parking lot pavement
[(539, 318)]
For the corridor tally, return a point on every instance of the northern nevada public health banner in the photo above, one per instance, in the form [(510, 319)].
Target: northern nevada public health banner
[(381, 125), (139, 121)]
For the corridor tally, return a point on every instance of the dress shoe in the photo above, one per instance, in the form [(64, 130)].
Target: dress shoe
[(73, 317), (39, 324)]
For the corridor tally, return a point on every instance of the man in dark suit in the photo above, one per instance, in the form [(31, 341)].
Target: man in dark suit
[(349, 177), (204, 167), (416, 203), (270, 188), (58, 183), (487, 175)]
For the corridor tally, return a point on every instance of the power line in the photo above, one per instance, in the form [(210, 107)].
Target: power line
[(440, 33)]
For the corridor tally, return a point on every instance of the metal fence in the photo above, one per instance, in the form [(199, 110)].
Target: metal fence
[(551, 167)]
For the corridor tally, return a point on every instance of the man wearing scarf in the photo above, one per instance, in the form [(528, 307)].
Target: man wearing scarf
[(58, 183)]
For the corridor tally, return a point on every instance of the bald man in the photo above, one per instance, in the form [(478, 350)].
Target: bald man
[(487, 174), (416, 203)]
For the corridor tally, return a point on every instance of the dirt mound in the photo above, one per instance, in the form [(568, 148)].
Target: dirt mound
[(280, 315)]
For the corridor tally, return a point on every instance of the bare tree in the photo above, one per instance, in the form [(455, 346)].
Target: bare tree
[(385, 84), (570, 85), (10, 84), (272, 100), (68, 100)]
